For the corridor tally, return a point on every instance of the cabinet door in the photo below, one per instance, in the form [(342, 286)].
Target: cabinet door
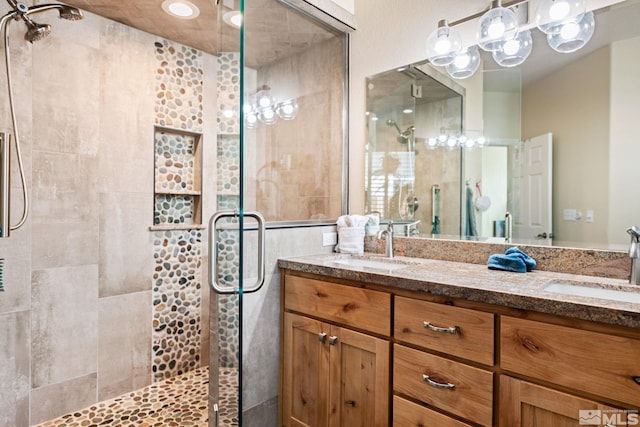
[(523, 404), (306, 372), (359, 386)]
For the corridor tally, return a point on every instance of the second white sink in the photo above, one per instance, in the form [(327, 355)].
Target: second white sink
[(595, 291), (365, 263)]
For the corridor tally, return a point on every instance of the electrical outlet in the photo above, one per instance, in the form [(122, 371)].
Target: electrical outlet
[(329, 239), (589, 216)]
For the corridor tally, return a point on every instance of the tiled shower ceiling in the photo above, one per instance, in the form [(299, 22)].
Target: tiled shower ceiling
[(273, 30)]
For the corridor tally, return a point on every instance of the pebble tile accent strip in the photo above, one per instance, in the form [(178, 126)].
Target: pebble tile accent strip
[(228, 164), (180, 401), (176, 302), (179, 87), (228, 92)]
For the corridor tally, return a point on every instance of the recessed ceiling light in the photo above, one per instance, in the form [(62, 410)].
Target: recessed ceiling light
[(181, 9), (233, 18)]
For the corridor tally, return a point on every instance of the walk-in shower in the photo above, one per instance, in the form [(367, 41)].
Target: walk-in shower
[(407, 201), (35, 32)]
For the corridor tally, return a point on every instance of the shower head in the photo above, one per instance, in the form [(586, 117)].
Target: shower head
[(403, 137), (36, 31), (70, 13), (393, 123)]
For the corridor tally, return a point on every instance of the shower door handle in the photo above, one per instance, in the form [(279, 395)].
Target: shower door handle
[(213, 252)]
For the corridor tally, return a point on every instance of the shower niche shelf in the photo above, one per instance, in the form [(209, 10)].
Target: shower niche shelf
[(178, 179)]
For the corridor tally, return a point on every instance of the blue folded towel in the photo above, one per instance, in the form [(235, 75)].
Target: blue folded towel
[(507, 263), (528, 261), (513, 260)]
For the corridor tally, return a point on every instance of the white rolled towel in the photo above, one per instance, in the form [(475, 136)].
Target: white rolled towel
[(351, 234)]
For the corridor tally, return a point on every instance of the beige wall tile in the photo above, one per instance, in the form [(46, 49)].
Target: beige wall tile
[(64, 324), (124, 360), (56, 399), (14, 369)]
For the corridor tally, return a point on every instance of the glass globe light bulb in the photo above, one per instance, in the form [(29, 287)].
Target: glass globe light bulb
[(551, 15), (496, 26), (443, 44)]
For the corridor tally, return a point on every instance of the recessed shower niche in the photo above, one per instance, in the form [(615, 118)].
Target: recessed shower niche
[(178, 178)]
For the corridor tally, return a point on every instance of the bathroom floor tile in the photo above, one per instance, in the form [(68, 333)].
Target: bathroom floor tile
[(180, 401)]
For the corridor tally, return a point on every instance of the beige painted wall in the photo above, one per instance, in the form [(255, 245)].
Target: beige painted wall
[(574, 107)]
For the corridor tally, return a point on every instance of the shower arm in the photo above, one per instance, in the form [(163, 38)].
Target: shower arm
[(44, 7)]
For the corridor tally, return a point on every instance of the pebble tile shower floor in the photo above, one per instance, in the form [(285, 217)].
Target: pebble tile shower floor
[(180, 401)]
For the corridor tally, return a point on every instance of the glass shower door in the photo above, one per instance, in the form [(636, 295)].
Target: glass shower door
[(227, 227)]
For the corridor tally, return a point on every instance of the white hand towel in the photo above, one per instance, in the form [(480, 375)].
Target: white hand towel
[(351, 234)]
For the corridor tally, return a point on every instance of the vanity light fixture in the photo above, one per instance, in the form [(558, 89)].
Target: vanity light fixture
[(182, 9), (496, 26), (443, 44), (567, 24)]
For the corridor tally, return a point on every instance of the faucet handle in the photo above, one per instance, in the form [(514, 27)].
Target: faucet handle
[(390, 227), (634, 232)]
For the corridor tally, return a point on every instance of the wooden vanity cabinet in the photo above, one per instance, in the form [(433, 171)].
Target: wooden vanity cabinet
[(526, 404), (439, 381), (334, 375), (455, 363)]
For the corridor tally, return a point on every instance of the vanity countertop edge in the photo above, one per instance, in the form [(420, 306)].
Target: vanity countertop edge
[(478, 283)]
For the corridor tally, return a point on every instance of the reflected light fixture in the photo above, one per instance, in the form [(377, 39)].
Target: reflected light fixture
[(182, 9), (496, 26), (287, 110), (514, 52), (262, 107), (443, 44), (465, 64)]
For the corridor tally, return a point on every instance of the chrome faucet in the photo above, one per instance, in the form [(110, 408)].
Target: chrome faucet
[(634, 254), (411, 229), (388, 237)]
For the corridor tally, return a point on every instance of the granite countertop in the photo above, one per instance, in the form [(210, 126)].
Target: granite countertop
[(475, 282)]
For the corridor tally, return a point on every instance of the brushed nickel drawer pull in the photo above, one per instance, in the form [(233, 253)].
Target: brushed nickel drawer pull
[(636, 379), (351, 403), (322, 336), (333, 340), (452, 330), (432, 383)]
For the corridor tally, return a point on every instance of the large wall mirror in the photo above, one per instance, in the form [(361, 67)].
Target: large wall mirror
[(573, 115)]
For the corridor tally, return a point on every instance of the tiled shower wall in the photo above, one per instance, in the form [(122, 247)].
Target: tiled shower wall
[(79, 317)]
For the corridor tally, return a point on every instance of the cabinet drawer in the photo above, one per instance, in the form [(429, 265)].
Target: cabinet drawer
[(468, 392), (601, 364), (361, 308), (406, 414), (452, 330)]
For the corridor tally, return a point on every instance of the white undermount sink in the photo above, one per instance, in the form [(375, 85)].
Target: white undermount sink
[(594, 290), (368, 263)]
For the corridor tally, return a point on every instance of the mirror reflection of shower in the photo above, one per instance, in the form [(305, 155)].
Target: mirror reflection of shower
[(35, 31), (407, 201)]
